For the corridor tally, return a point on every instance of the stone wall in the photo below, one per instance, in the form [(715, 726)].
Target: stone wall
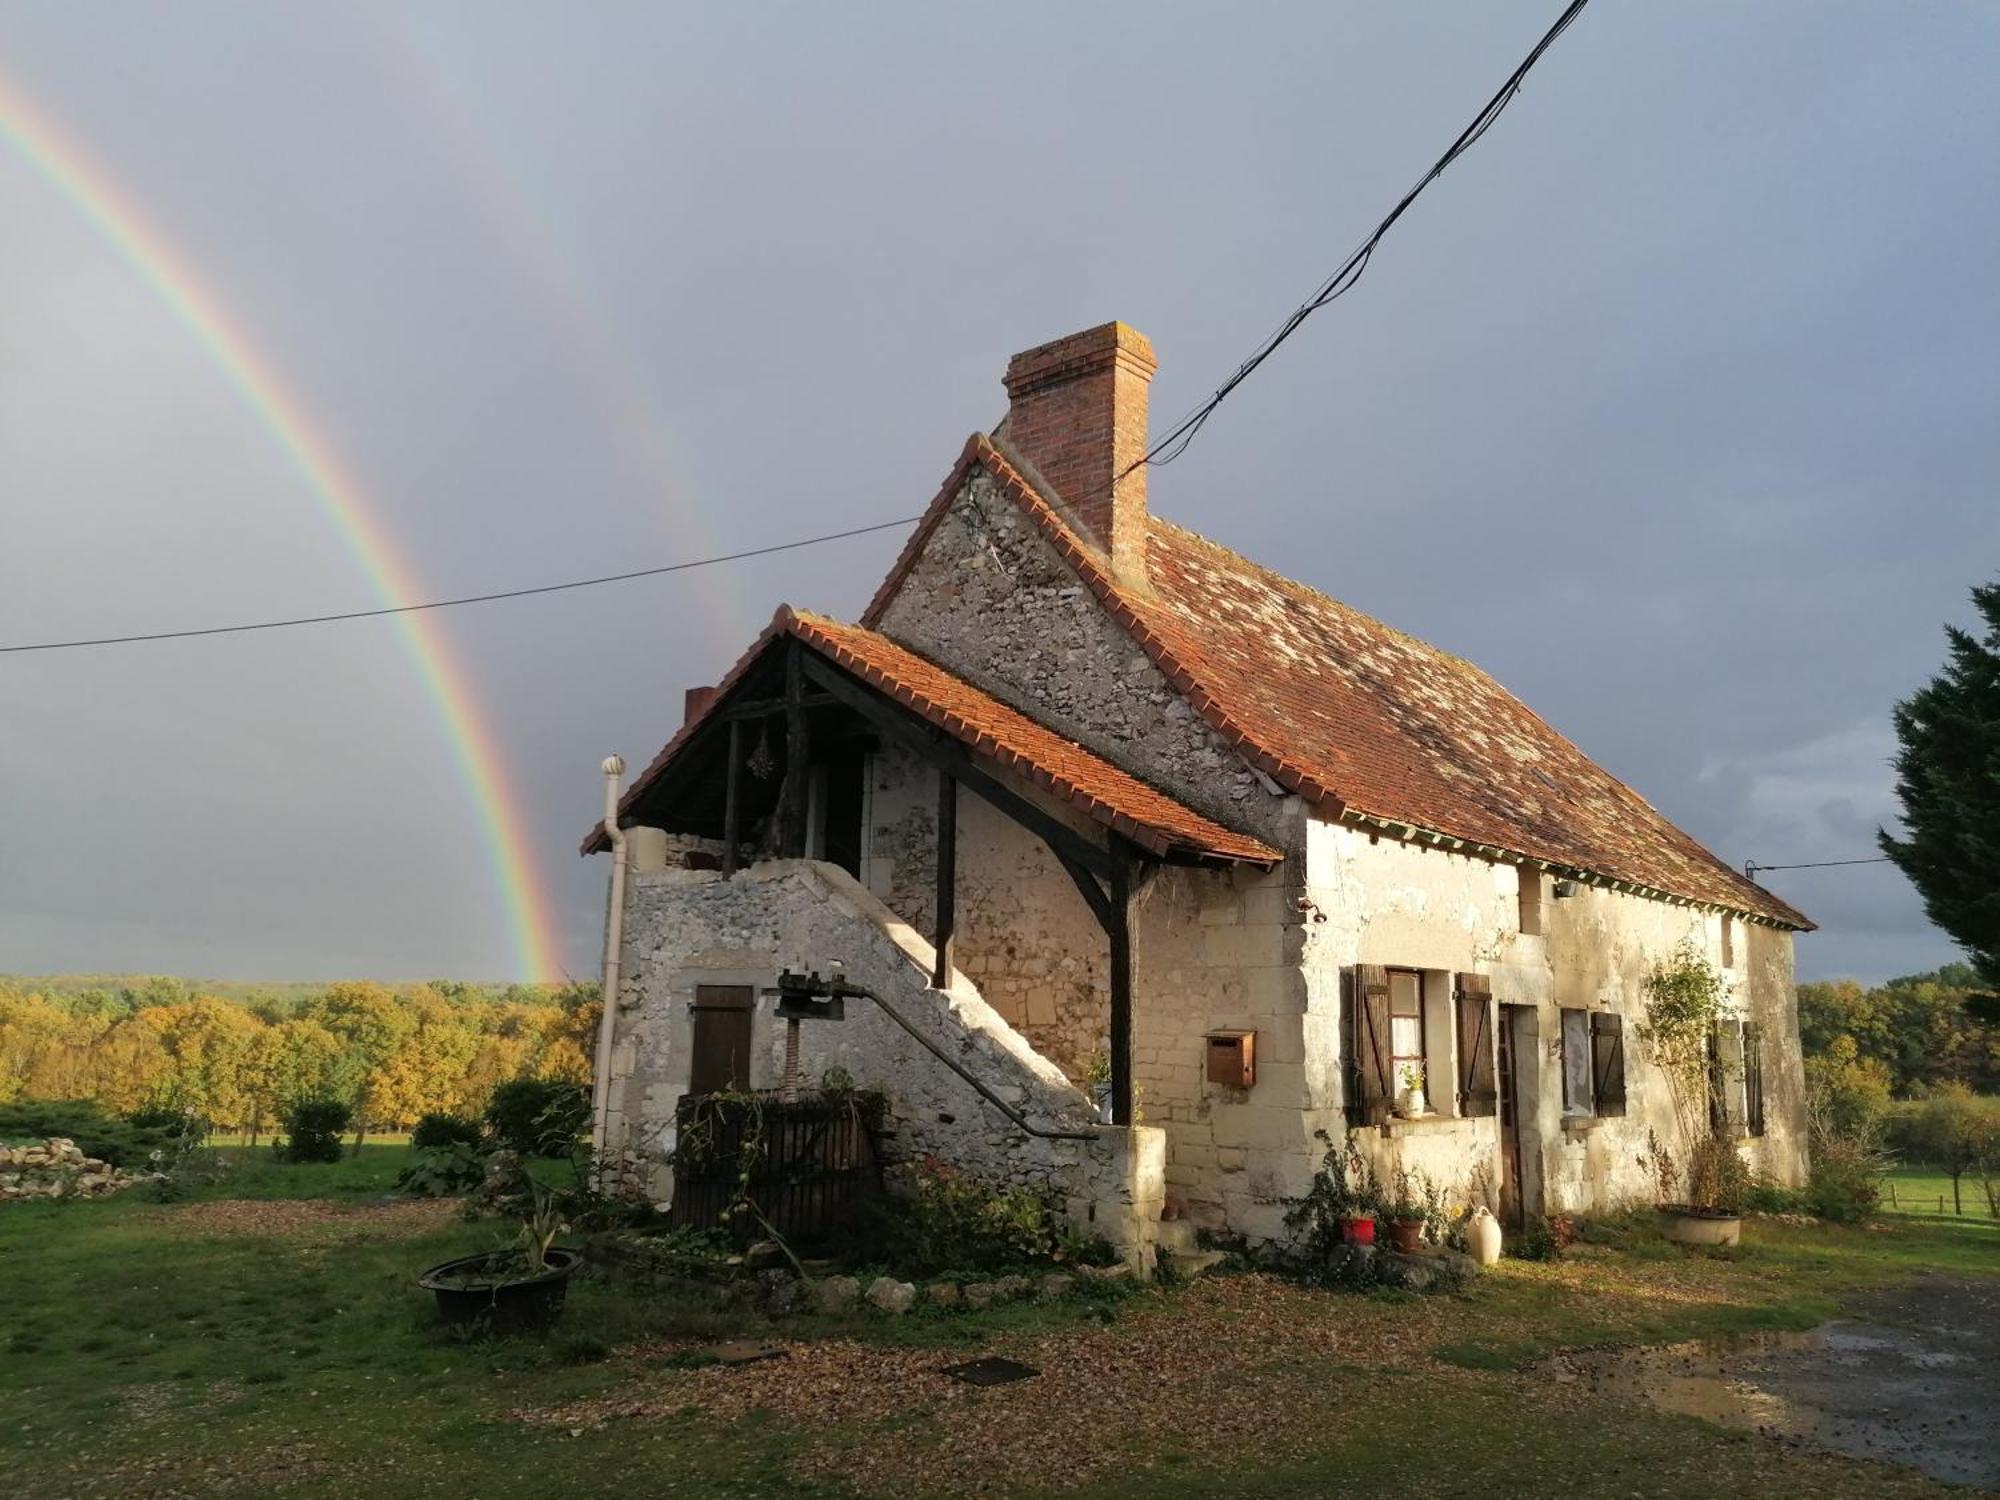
[(1212, 950), (992, 600), (1377, 900), (1024, 934), (687, 928), (57, 1168)]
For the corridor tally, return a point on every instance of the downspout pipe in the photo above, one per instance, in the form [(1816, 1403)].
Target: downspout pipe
[(614, 944)]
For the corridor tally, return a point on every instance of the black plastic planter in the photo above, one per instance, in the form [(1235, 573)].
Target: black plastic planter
[(501, 1303)]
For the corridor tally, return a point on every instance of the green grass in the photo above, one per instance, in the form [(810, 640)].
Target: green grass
[(143, 1354), (1924, 1193)]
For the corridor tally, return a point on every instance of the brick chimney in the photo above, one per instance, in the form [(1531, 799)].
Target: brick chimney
[(694, 703), (1077, 414)]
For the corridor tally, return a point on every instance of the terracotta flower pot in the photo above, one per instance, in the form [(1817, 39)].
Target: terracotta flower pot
[(1406, 1235)]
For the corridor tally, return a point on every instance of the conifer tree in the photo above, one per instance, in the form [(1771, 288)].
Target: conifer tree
[(1948, 780)]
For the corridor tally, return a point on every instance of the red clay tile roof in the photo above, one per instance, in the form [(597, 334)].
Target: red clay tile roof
[(991, 730), (1362, 719)]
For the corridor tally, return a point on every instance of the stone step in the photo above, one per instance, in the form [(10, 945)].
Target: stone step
[(1176, 1234), (1189, 1264)]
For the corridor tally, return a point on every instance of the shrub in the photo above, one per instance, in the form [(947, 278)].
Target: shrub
[(312, 1130), (437, 1130), (443, 1171), (123, 1143), (1764, 1196), (538, 1116), (951, 1222)]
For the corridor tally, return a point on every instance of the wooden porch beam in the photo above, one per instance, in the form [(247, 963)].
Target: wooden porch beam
[(1119, 930), (764, 708), (1093, 893), (732, 800), (792, 824), (948, 754)]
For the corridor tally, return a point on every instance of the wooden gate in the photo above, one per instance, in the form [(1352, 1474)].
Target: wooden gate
[(807, 1166)]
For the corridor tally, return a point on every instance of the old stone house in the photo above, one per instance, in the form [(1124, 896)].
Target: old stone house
[(1086, 794)]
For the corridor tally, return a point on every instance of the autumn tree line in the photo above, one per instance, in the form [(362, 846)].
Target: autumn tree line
[(237, 1059)]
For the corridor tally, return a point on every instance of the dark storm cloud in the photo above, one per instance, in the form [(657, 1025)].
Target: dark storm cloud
[(1671, 405)]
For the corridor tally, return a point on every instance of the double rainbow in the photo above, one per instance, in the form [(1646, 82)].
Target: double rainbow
[(339, 498)]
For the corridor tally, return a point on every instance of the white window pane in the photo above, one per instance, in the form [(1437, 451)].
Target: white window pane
[(1406, 1036)]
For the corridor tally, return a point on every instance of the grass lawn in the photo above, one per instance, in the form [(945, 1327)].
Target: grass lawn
[(264, 1338), (1921, 1192)]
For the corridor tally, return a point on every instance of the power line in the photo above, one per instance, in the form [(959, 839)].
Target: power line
[(407, 609), (1751, 867), (1342, 281)]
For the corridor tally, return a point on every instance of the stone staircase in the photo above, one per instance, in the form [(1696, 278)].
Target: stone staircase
[(1179, 1247)]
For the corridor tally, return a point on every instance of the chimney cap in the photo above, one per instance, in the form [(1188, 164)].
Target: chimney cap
[(1079, 354)]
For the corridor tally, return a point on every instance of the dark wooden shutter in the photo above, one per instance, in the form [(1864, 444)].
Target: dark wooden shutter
[(1374, 1084), (1478, 1084), (721, 1043), (1718, 1096), (1753, 1077), (1607, 1061)]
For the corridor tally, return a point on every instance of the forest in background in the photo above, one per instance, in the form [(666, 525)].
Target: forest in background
[(1905, 1038), (235, 1055)]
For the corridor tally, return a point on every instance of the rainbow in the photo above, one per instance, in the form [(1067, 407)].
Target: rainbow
[(473, 744), (457, 122)]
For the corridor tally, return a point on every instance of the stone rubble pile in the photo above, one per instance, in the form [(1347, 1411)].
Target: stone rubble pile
[(57, 1168)]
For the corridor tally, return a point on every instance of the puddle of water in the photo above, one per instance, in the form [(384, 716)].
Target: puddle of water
[(1865, 1390)]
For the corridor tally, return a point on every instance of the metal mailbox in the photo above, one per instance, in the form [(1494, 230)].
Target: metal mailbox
[(1232, 1058)]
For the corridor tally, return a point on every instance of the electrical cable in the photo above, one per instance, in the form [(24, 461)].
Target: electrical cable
[(405, 609), (1165, 451)]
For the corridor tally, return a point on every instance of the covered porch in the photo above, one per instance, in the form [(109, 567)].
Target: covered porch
[(774, 764)]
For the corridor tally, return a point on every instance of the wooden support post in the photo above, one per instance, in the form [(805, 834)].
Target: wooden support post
[(792, 819), (1121, 992), (947, 875), (732, 800)]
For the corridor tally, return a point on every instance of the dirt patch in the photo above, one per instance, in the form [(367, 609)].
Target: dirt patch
[(1908, 1380), (1236, 1360), (306, 1218)]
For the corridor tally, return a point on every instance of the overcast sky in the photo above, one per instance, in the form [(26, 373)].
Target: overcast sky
[(1673, 405)]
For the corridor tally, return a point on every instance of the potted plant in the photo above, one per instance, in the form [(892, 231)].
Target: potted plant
[(518, 1289), (1686, 1000), (1338, 1211), (1097, 1079), (1411, 1103), (1405, 1213)]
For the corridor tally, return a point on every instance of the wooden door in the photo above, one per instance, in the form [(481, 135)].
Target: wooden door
[(721, 1049), (1509, 1060)]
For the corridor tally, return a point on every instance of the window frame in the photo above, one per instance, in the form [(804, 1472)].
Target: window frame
[(1530, 904), (1422, 1056)]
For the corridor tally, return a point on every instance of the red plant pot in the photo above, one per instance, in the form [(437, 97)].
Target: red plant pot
[(1357, 1231)]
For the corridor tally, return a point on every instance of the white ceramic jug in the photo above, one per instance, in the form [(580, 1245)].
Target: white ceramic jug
[(1482, 1236)]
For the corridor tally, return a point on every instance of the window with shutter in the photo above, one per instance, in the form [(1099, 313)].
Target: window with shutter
[(1753, 1077), (1718, 1084), (1478, 1086), (1576, 1062), (1607, 1062)]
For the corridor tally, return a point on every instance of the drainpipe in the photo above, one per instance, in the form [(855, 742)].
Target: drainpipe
[(614, 942)]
